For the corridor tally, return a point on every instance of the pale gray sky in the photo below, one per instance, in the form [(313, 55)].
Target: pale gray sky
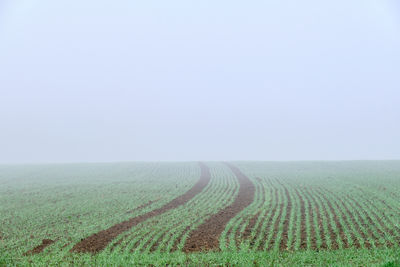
[(187, 80)]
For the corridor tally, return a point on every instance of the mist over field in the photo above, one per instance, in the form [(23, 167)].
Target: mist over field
[(177, 80)]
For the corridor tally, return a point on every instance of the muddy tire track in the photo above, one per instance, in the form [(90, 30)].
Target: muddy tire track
[(98, 241), (40, 248), (206, 236)]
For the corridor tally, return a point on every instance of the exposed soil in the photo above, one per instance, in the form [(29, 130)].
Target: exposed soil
[(41, 247), (97, 242), (206, 236)]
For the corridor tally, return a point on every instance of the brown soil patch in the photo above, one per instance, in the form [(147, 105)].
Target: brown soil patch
[(100, 240), (41, 247), (206, 236)]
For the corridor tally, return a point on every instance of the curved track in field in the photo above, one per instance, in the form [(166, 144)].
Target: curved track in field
[(97, 242), (206, 236), (38, 249)]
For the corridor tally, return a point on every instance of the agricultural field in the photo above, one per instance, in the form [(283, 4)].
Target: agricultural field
[(201, 213)]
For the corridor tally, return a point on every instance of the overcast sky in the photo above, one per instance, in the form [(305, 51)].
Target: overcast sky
[(188, 80)]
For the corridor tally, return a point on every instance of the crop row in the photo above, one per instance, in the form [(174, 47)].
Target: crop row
[(292, 212)]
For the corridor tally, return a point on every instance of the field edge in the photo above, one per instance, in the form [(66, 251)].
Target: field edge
[(341, 257)]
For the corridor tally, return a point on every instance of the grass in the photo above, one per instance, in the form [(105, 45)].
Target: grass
[(348, 257)]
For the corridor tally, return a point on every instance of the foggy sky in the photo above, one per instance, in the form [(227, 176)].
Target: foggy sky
[(199, 80)]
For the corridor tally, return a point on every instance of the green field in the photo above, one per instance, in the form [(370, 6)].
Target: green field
[(266, 213)]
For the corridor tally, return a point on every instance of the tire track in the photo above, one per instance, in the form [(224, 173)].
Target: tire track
[(38, 249), (207, 202), (98, 241), (206, 236)]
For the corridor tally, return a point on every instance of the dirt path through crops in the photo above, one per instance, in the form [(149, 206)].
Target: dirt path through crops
[(40, 248), (206, 236), (100, 240)]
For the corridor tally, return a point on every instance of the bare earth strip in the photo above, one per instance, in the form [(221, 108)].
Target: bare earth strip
[(41, 247), (206, 236), (100, 240)]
